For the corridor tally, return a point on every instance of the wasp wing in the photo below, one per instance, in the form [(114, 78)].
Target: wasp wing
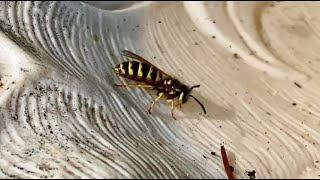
[(130, 54)]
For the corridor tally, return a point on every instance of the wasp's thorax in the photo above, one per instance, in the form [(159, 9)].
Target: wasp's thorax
[(177, 89)]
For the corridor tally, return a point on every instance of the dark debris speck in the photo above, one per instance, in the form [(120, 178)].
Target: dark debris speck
[(298, 85), (251, 174), (231, 168)]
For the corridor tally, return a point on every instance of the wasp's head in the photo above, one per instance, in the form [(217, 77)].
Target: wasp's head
[(183, 97), (185, 93)]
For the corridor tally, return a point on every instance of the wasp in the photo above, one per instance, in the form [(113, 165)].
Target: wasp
[(149, 76)]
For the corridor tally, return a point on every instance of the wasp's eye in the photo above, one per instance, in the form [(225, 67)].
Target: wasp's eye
[(182, 98)]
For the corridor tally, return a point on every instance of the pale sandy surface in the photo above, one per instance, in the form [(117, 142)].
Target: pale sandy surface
[(257, 64)]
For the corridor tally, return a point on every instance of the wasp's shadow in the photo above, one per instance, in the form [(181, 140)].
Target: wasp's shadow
[(191, 109)]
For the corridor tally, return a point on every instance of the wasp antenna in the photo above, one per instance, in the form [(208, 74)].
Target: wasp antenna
[(195, 86), (204, 110)]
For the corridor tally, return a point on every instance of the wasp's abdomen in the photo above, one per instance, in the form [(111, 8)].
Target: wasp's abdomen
[(139, 71)]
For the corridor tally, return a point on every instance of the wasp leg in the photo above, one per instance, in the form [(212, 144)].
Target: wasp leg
[(134, 85), (154, 102), (172, 111), (172, 108)]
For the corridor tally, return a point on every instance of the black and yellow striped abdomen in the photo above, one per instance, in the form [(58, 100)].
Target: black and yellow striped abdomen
[(139, 71)]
